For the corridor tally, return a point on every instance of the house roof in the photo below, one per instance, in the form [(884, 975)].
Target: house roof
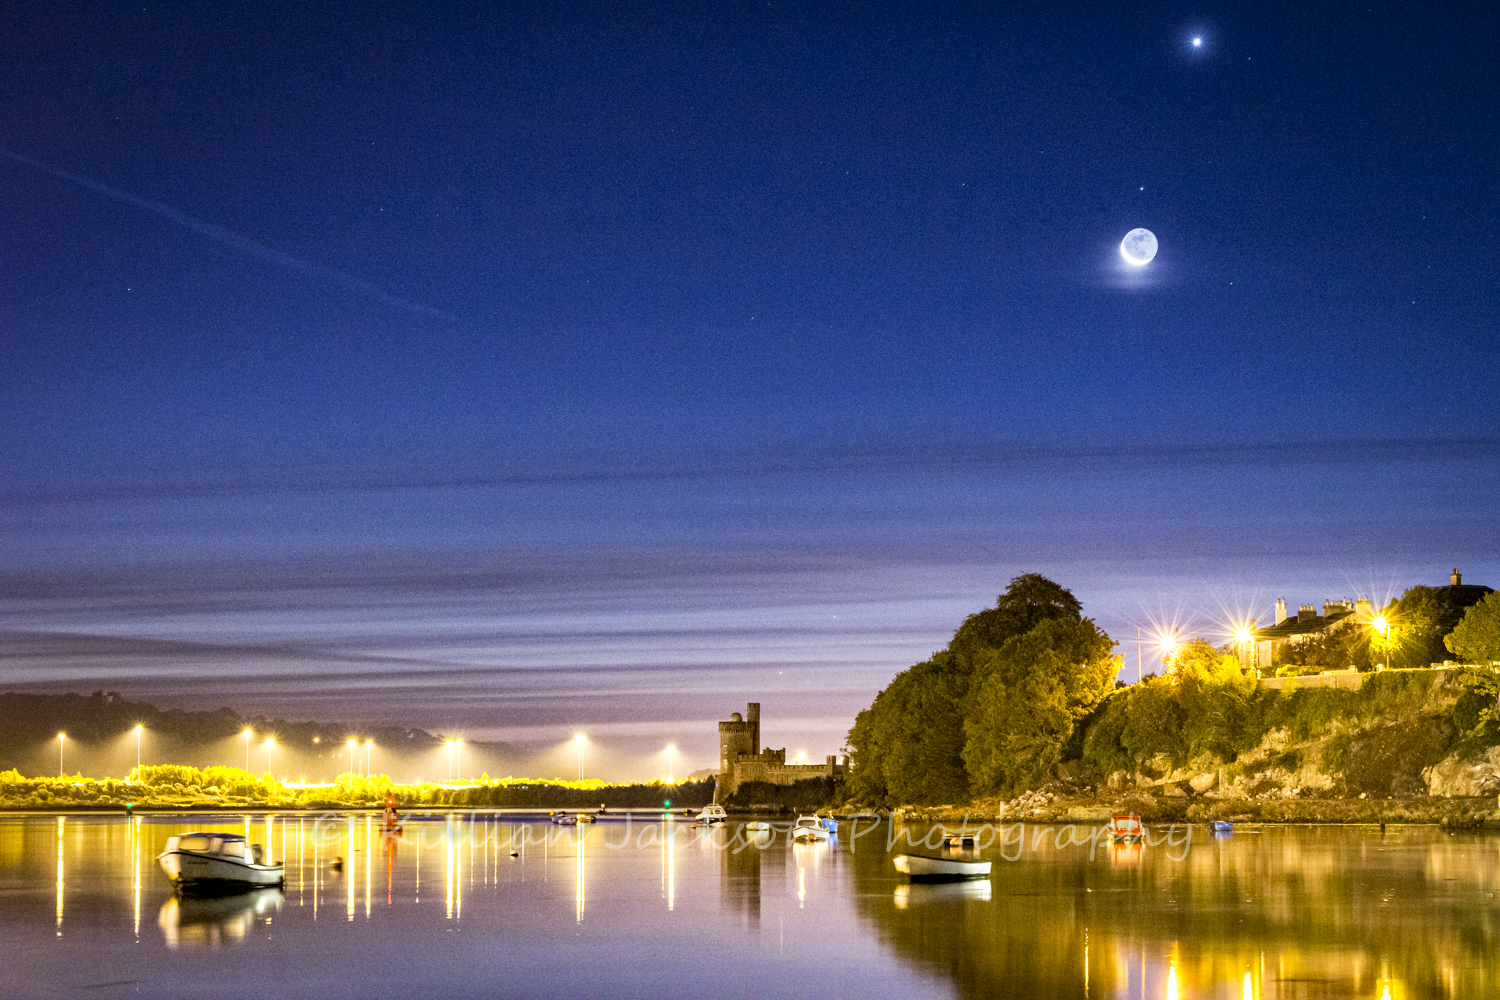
[(1456, 600), (1301, 626)]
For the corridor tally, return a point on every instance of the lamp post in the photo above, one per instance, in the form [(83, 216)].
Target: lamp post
[(458, 760), (270, 748), (671, 771), (62, 741), (578, 738), (138, 730), (368, 745), (353, 763), (247, 749)]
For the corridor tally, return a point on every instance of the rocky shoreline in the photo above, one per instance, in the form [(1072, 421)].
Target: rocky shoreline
[(1459, 813)]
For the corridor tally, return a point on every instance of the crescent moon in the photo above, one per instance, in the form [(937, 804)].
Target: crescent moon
[(1138, 247)]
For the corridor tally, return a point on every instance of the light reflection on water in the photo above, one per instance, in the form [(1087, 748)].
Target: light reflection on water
[(660, 909)]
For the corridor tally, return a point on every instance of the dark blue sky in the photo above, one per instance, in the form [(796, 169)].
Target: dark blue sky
[(742, 315)]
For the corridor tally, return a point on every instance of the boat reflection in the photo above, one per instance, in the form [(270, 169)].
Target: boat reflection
[(207, 921), (919, 893)]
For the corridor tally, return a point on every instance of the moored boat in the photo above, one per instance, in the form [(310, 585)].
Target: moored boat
[(1221, 826), (809, 830), (1126, 828), (920, 868), (758, 826), (712, 815), (216, 859)]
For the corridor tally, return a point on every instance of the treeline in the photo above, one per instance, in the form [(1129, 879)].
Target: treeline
[(1026, 693), (175, 786)]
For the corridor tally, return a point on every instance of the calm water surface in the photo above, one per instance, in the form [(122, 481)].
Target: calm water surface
[(651, 909)]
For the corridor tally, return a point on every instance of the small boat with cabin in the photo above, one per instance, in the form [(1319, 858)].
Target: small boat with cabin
[(712, 815), (809, 830), (920, 868), (226, 860), (1126, 828)]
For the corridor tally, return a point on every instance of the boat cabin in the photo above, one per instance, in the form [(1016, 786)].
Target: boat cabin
[(225, 845)]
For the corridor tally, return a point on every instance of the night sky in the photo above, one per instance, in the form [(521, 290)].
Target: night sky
[(516, 370)]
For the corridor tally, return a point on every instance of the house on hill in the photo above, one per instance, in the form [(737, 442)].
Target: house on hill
[(1306, 626), (1276, 643)]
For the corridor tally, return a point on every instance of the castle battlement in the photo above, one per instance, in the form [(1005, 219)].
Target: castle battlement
[(742, 759)]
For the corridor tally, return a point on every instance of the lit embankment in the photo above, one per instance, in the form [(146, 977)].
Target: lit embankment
[(170, 786)]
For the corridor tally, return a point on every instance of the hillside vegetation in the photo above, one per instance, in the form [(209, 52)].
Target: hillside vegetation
[(1023, 701)]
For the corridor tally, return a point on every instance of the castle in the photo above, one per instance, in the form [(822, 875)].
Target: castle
[(741, 759)]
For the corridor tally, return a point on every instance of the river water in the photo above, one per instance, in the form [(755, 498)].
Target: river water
[(655, 909)]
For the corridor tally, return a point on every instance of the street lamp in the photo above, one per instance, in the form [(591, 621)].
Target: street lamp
[(353, 764), (578, 738), (62, 740), (671, 771), (138, 730), (458, 760), (248, 732), (368, 745), (270, 747), (1167, 643)]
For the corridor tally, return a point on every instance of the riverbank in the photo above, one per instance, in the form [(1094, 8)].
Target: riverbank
[(1452, 813), (218, 789)]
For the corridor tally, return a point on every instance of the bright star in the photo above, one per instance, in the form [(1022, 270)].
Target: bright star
[(1197, 42)]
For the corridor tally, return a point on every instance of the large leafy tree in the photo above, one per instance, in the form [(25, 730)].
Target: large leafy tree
[(1476, 637), (1030, 694), (908, 746), (1029, 600)]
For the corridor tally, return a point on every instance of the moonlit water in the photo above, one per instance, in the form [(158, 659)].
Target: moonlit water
[(656, 909)]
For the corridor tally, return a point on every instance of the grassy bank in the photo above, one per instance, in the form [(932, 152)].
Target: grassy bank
[(170, 786)]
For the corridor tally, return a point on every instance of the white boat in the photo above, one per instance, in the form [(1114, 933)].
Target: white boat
[(206, 859), (758, 826), (924, 869), (712, 815), (809, 830)]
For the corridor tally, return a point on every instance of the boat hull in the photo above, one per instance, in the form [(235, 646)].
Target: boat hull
[(189, 868), (923, 869), (805, 835)]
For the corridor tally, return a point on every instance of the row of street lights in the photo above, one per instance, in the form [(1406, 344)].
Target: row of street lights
[(455, 754)]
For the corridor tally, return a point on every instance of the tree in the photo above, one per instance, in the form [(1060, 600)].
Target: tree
[(1214, 693), (1031, 694), (1029, 600), (1476, 637), (1412, 636), (909, 745)]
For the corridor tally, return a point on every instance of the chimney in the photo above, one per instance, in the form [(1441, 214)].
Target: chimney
[(1306, 613), (1458, 578), (1280, 610), (1364, 609), (752, 716)]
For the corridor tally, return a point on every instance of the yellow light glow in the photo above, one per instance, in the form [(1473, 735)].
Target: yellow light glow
[(1242, 634), (139, 727), (1380, 624), (578, 737)]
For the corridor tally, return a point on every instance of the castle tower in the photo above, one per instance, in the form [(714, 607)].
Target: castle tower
[(752, 718)]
